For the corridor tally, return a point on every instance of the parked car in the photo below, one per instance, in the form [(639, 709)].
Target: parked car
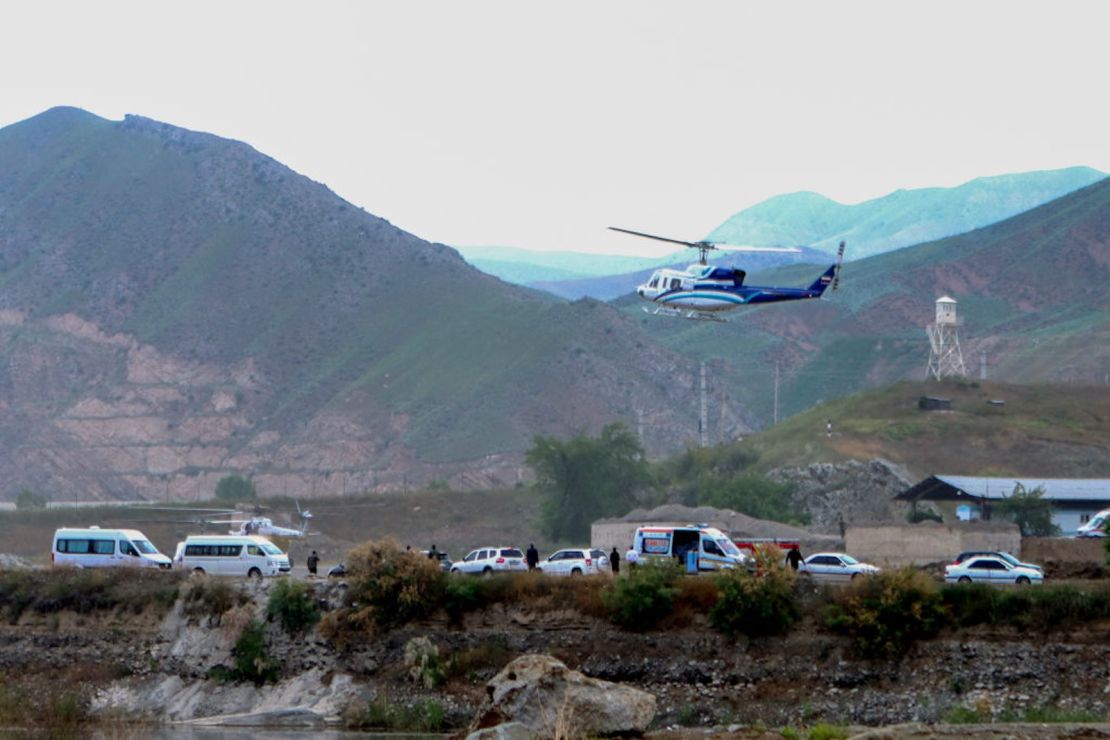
[(574, 562), (444, 560), (998, 554), (834, 566), (993, 570), (489, 560)]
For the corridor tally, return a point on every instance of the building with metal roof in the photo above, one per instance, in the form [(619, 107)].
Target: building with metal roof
[(1075, 500)]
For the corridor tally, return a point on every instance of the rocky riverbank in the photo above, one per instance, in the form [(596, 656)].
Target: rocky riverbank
[(172, 667)]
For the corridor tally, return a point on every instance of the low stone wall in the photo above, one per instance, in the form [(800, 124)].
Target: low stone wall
[(1063, 549), (928, 542)]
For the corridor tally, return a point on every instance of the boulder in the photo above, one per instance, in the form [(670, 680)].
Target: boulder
[(551, 700), (506, 731)]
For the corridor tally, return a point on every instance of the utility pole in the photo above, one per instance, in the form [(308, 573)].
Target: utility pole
[(703, 420), (776, 392), (640, 425), (982, 365)]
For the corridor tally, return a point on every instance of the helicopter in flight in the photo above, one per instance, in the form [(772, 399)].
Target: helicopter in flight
[(701, 291)]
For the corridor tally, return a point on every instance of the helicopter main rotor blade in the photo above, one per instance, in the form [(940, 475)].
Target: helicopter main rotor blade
[(765, 250), (695, 245)]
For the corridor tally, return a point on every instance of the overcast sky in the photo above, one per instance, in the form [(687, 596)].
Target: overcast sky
[(539, 124)]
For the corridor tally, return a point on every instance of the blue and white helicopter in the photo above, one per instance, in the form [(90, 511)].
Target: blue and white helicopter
[(702, 290)]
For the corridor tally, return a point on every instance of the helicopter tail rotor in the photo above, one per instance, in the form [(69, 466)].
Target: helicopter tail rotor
[(839, 263)]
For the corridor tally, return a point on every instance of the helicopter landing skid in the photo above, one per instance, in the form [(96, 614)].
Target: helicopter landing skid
[(679, 313)]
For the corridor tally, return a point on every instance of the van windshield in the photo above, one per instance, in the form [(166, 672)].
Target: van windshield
[(270, 549), (145, 547), (728, 547)]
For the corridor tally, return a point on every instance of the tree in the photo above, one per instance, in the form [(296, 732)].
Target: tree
[(235, 488), (749, 493), (587, 478), (1030, 510), (28, 499)]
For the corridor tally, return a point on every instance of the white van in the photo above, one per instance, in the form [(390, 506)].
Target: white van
[(93, 547), (233, 555), (715, 551)]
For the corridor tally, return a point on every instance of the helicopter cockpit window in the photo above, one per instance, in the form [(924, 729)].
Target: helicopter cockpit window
[(654, 281), (675, 282)]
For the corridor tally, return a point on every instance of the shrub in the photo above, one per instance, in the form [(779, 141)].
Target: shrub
[(887, 612), (292, 603), (461, 595), (424, 664), (28, 500), (234, 489), (211, 597), (252, 659), (646, 596), (423, 716), (756, 605), (389, 586)]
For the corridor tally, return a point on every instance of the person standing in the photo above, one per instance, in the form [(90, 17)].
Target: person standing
[(532, 557), (632, 558), (312, 562), (615, 561), (794, 557)]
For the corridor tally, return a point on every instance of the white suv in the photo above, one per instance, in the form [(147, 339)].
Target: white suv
[(574, 562), (488, 560)]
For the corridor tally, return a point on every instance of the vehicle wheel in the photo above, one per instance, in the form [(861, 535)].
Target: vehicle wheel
[(964, 579), (198, 571), (254, 573), (456, 572), (1022, 581), (576, 572), (855, 576), (487, 572)]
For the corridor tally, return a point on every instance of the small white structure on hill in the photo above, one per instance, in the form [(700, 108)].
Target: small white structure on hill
[(945, 358)]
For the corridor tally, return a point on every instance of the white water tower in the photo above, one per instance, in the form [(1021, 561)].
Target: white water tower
[(945, 358)]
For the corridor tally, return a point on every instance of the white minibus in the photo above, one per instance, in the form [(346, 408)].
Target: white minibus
[(233, 555), (93, 547)]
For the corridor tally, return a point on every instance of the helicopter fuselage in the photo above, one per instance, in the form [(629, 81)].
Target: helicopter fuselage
[(710, 289)]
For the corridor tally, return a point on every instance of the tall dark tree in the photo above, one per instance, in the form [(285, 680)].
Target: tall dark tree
[(1030, 510), (235, 488), (587, 478)]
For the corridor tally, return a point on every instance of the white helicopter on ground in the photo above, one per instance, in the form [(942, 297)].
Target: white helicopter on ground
[(702, 290), (243, 524)]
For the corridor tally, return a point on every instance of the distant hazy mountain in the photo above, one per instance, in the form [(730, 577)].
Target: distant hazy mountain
[(900, 219), (175, 307), (524, 266)]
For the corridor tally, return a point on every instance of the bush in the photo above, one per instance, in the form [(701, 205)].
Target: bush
[(757, 605), (887, 612), (389, 586), (211, 597), (235, 489), (293, 604), (423, 716), (646, 596), (85, 590), (252, 659), (461, 595), (28, 500), (424, 664), (1046, 609)]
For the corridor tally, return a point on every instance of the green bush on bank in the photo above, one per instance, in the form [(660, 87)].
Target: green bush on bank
[(85, 590), (292, 604), (647, 595), (757, 605), (887, 613)]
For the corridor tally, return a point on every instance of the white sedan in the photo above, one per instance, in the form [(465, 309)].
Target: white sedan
[(574, 562), (490, 560), (834, 566), (991, 569)]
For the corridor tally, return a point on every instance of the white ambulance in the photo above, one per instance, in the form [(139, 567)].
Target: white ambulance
[(712, 548), (233, 555), (93, 547)]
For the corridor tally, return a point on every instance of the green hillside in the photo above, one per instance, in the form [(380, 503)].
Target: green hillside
[(1038, 430), (331, 340), (1033, 293)]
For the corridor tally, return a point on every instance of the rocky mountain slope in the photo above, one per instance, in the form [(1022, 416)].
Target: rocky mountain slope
[(175, 307)]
